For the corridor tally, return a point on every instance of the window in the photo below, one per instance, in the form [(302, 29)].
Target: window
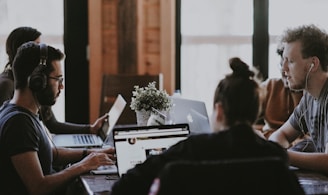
[(292, 13), (212, 32), (47, 17)]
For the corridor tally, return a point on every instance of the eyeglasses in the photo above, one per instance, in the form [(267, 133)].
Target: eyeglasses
[(59, 79)]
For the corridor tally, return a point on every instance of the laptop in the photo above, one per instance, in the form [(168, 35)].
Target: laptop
[(133, 144), (92, 140), (192, 112)]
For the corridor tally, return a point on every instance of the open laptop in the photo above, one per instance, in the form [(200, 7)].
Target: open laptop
[(192, 112), (133, 144), (92, 140)]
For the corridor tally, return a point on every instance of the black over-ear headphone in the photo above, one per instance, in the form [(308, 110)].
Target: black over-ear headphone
[(37, 81)]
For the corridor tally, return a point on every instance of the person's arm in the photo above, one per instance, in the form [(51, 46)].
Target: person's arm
[(32, 176), (57, 127), (310, 161), (285, 135), (64, 156)]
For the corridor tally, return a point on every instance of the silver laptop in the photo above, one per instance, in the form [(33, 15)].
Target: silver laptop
[(92, 140), (134, 144), (192, 112)]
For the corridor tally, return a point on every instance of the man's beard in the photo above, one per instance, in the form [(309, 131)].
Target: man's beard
[(298, 87), (46, 97)]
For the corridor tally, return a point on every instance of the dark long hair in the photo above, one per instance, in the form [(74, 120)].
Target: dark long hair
[(239, 94), (15, 39)]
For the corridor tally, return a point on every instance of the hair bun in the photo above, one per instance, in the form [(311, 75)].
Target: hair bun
[(240, 68)]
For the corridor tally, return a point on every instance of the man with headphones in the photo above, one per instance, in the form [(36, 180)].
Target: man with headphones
[(27, 155), (305, 61), (17, 37)]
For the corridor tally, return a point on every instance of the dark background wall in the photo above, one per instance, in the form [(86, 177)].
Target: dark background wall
[(76, 63)]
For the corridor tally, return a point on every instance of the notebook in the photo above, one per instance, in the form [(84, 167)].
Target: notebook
[(92, 140), (133, 144), (192, 112)]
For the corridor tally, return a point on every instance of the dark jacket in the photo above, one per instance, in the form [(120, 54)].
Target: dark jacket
[(238, 142)]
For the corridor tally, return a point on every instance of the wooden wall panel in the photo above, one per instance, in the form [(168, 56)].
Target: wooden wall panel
[(109, 36), (149, 37), (130, 37), (127, 36), (167, 43), (95, 57)]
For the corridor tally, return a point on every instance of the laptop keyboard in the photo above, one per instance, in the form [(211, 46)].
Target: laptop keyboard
[(83, 139)]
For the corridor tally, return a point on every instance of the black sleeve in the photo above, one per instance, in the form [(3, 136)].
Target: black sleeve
[(28, 138), (57, 127), (139, 179)]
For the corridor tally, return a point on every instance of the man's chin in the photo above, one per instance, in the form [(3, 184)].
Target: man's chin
[(295, 87), (45, 102)]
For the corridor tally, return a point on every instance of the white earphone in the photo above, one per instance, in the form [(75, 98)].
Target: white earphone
[(311, 66)]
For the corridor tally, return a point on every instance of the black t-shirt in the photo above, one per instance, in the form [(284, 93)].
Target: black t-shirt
[(236, 143), (20, 131)]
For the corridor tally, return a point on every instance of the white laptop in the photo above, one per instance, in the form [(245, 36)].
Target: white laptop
[(192, 112), (92, 140), (133, 144)]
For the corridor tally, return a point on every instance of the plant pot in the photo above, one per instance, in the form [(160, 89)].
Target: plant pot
[(142, 117)]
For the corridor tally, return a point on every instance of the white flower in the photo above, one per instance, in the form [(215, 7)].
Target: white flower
[(146, 98)]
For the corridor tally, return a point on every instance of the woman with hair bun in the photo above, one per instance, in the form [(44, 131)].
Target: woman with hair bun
[(235, 109)]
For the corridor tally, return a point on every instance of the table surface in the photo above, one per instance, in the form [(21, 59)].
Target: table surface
[(312, 183)]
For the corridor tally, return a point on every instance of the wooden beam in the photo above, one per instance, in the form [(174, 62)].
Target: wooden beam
[(167, 44), (95, 56)]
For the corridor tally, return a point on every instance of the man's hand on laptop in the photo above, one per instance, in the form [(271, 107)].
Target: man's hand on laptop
[(96, 159), (96, 126), (110, 151)]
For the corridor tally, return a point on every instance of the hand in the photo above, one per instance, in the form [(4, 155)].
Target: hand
[(110, 151), (94, 160), (96, 126)]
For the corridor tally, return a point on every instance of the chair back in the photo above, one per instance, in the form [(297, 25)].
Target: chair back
[(241, 176), (123, 84)]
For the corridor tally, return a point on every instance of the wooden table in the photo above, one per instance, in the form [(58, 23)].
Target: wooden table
[(312, 183)]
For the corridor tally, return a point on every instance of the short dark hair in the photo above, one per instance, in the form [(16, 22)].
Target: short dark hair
[(28, 58), (280, 49), (314, 42), (239, 94)]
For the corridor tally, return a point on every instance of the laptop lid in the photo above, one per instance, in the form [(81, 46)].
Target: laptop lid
[(192, 112), (82, 140), (134, 144), (114, 114)]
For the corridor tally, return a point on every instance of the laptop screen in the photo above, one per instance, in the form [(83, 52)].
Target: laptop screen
[(192, 112), (114, 114), (134, 144)]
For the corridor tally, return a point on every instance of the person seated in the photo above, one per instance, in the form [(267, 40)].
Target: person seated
[(233, 136), (27, 155), (16, 38), (305, 65), (278, 103)]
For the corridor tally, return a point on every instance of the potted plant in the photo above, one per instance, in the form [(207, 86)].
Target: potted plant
[(146, 99)]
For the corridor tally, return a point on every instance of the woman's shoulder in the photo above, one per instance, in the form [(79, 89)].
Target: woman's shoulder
[(273, 83), (6, 79)]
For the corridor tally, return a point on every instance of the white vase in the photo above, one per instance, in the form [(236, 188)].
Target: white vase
[(142, 117)]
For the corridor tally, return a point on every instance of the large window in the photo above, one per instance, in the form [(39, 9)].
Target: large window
[(212, 32), (46, 16), (292, 13), (215, 30)]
